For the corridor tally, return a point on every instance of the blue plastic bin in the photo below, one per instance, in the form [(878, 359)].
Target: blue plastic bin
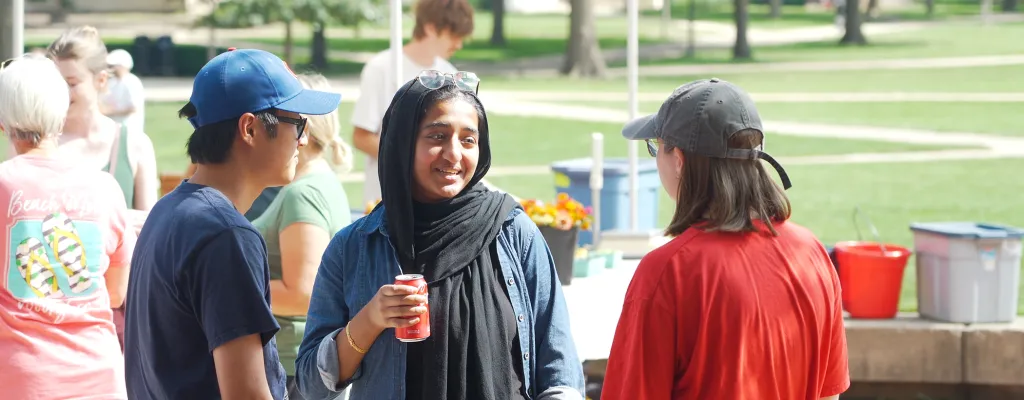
[(573, 178)]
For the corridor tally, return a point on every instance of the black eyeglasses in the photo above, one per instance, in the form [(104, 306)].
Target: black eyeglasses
[(432, 79), (652, 147), (300, 125)]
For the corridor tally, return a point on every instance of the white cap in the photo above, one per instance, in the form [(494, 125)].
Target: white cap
[(120, 57)]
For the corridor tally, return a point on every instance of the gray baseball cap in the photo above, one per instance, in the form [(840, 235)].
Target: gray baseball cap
[(700, 117)]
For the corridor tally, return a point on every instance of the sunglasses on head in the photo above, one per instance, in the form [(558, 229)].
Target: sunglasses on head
[(432, 79)]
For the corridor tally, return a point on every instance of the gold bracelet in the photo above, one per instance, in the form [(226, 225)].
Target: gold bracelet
[(353, 342)]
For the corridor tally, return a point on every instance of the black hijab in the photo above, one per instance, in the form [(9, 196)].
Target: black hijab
[(452, 243)]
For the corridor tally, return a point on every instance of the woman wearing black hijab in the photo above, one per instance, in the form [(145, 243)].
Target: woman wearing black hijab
[(499, 325)]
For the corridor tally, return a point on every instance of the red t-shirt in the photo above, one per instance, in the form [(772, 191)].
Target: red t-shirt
[(731, 316)]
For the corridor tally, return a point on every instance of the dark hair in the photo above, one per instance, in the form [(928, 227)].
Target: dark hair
[(726, 193), (211, 143), (454, 16), (449, 91)]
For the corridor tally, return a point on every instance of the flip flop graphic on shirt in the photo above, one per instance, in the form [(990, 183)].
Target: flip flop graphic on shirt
[(35, 268), (62, 237)]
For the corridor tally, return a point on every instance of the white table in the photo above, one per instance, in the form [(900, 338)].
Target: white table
[(594, 304)]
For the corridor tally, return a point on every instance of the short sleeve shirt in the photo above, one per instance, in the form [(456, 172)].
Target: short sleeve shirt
[(63, 229), (199, 279), (743, 316)]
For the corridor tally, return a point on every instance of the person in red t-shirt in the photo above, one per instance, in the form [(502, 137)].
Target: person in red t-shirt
[(742, 304)]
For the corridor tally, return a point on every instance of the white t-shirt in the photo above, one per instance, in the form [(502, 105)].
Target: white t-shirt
[(124, 91), (377, 87)]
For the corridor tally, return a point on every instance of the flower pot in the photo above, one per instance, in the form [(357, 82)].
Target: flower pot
[(563, 249)]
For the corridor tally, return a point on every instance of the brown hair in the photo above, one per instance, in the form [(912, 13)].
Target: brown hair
[(455, 16), (81, 43), (726, 194)]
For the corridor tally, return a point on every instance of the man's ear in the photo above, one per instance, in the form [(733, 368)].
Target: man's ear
[(246, 128)]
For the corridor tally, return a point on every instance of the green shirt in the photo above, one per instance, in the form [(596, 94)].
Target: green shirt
[(318, 199)]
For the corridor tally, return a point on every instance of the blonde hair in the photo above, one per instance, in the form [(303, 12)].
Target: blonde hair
[(81, 43), (323, 129), (33, 99)]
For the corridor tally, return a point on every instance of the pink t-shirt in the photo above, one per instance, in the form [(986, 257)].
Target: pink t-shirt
[(63, 227)]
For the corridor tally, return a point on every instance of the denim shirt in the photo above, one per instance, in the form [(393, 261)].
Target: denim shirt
[(360, 259)]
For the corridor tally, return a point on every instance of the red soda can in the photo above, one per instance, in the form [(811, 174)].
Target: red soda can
[(421, 330)]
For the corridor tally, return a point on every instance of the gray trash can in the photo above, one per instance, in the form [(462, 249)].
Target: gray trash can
[(967, 272)]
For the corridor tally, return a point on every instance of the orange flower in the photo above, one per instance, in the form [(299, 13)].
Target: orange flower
[(565, 213)]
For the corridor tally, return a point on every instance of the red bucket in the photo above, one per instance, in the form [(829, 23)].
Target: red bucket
[(871, 276)]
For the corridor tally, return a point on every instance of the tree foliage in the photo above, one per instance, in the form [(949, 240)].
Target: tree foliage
[(251, 13)]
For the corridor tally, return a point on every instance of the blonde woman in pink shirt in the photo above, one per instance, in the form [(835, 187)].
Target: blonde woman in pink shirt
[(67, 245)]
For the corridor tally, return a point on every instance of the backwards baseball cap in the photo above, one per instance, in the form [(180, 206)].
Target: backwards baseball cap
[(700, 117), (248, 80)]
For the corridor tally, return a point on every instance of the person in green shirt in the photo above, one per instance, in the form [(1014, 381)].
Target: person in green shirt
[(300, 221)]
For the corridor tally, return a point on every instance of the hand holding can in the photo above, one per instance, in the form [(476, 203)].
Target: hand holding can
[(396, 306), (419, 330)]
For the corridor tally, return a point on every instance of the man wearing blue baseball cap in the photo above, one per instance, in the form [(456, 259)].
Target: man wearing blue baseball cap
[(198, 323)]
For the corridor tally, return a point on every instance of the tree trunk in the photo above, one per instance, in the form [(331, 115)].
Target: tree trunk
[(741, 50), (289, 42), (1009, 5), (319, 47), (666, 18), (853, 34), (776, 8), (929, 6), (986, 11), (211, 47), (583, 55), (498, 33), (872, 10), (691, 29)]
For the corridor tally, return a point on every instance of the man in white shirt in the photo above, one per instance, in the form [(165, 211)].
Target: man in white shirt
[(125, 101), (441, 25)]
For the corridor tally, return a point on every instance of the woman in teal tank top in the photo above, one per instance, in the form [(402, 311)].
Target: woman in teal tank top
[(298, 224), (81, 57)]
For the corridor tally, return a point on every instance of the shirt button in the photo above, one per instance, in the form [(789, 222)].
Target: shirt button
[(510, 282), (521, 318), (526, 356)]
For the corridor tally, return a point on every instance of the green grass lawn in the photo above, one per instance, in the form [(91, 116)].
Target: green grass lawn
[(479, 50), (968, 79), (999, 118), (954, 39), (796, 15), (509, 134)]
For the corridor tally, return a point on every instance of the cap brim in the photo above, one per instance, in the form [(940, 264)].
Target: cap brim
[(311, 102), (640, 129)]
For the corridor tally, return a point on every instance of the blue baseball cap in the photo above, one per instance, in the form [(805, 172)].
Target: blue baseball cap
[(248, 80)]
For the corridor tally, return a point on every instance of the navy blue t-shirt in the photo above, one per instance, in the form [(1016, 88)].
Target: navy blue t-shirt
[(199, 279)]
